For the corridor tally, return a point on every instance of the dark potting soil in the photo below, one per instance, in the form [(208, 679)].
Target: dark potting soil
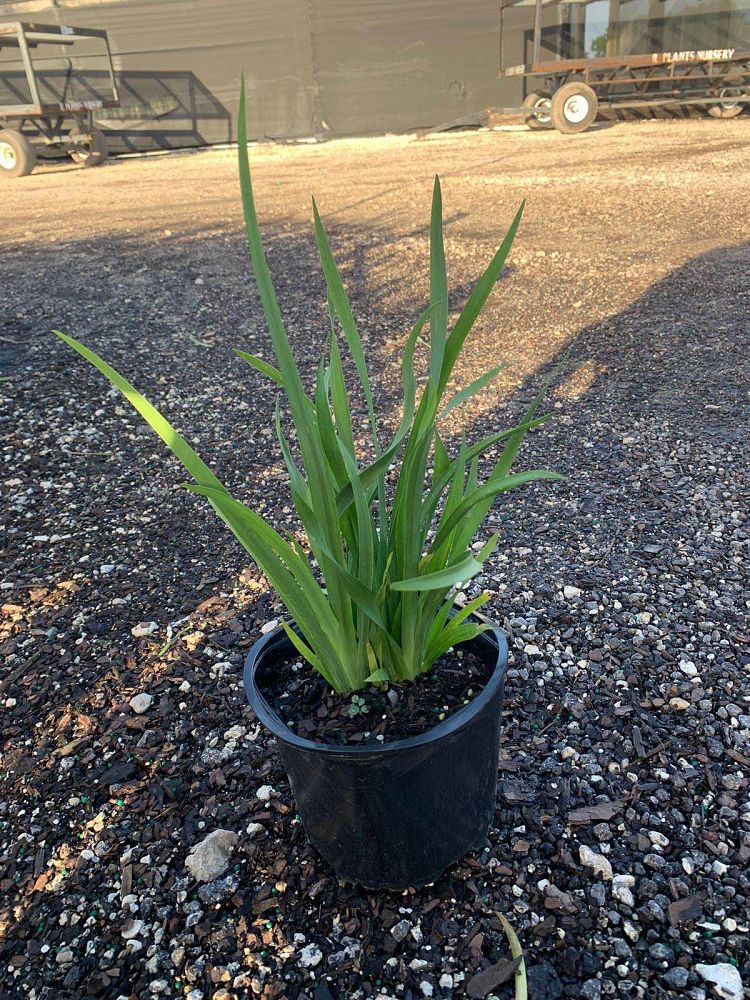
[(378, 714)]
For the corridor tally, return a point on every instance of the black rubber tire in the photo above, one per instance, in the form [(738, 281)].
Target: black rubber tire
[(574, 108), (532, 101), (17, 155), (733, 84), (89, 154)]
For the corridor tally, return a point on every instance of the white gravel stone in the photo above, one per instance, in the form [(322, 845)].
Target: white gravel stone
[(570, 593), (132, 929), (235, 733), (688, 668), (143, 629), (255, 828), (64, 956), (446, 981), (597, 862), (264, 793), (427, 988), (621, 889), (269, 626), (209, 859), (725, 978), (631, 930), (400, 930), (141, 703), (679, 704), (310, 956), (658, 838)]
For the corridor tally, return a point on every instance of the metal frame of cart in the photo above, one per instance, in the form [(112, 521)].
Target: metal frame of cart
[(567, 94), (66, 126)]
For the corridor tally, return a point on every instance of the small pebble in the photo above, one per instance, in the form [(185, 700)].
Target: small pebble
[(310, 956), (597, 862), (141, 703), (143, 629)]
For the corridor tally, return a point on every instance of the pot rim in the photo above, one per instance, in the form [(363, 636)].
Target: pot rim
[(267, 715)]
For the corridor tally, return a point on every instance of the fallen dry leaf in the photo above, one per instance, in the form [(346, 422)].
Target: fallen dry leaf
[(495, 975), (684, 911), (599, 813)]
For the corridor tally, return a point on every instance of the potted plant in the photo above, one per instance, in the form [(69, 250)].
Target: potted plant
[(384, 697)]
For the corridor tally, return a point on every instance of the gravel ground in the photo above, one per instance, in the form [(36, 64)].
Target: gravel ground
[(621, 846)]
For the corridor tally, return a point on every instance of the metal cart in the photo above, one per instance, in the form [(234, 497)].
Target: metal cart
[(565, 88), (40, 120)]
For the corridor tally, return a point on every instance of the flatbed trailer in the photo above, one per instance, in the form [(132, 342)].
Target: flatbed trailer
[(38, 125), (568, 93)]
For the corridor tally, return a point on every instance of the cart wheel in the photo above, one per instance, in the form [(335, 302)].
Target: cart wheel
[(17, 155), (729, 108), (89, 153), (573, 107), (537, 114)]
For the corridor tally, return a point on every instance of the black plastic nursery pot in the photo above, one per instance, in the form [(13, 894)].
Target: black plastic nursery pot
[(395, 814)]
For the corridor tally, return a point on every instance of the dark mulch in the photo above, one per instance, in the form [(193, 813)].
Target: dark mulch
[(375, 714)]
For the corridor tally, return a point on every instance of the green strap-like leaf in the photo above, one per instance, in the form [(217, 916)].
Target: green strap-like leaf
[(438, 287), (340, 302), (441, 635), (316, 468), (458, 572), (488, 492), (262, 366), (442, 458), (358, 592), (452, 636), (192, 462), (340, 401), (370, 476), (443, 479), (471, 390), (476, 300), (304, 650), (510, 451), (326, 428), (292, 578), (296, 478)]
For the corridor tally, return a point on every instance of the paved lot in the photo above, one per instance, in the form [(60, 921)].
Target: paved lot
[(633, 689)]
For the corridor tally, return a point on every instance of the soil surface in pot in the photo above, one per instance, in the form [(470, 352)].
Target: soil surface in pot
[(381, 714)]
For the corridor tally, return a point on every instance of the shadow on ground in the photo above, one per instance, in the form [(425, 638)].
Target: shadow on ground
[(651, 430)]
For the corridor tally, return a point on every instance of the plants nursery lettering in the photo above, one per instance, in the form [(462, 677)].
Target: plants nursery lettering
[(389, 558)]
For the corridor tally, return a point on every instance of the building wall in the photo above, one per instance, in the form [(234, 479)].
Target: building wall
[(312, 67)]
